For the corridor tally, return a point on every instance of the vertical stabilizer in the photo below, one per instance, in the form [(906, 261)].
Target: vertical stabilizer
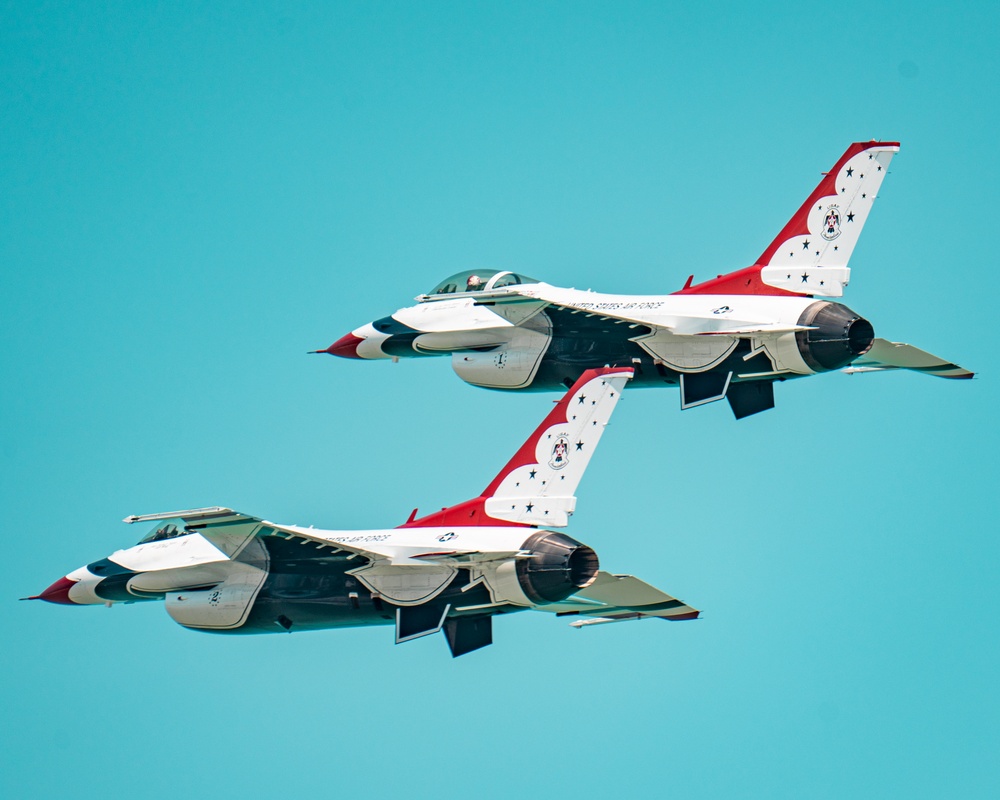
[(538, 485), (810, 254)]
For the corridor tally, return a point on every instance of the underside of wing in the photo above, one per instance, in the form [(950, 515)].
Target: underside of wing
[(886, 355), (618, 598)]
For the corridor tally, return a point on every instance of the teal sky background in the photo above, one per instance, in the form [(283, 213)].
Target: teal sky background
[(194, 195)]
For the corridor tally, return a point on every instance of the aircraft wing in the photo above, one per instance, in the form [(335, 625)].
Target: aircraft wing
[(636, 313), (229, 530), (543, 296), (223, 527), (886, 355), (618, 598)]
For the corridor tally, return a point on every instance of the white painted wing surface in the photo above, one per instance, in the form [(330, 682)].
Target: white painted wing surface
[(229, 530), (668, 314)]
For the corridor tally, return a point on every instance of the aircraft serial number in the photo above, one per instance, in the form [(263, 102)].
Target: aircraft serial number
[(376, 537), (618, 306)]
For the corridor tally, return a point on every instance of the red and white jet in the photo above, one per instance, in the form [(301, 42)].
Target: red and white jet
[(219, 570), (730, 337)]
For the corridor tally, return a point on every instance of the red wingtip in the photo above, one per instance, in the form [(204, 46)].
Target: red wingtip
[(58, 592)]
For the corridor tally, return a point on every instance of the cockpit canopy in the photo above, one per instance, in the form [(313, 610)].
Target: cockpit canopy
[(479, 280), (166, 529)]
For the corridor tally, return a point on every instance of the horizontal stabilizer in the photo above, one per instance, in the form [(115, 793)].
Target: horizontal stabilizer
[(886, 355), (617, 598)]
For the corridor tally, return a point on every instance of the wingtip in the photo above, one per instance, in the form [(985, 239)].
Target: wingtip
[(691, 615)]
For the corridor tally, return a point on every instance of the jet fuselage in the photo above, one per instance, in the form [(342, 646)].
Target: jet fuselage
[(542, 338), (732, 336)]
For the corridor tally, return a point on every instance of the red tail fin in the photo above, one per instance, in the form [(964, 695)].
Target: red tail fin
[(810, 254), (538, 485)]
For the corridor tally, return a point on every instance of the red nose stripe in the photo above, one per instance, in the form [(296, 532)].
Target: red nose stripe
[(345, 346), (58, 592)]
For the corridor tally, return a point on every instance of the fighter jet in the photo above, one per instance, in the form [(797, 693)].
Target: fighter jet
[(219, 570), (730, 337)]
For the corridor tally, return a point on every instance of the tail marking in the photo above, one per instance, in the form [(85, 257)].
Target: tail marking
[(538, 485), (810, 254)]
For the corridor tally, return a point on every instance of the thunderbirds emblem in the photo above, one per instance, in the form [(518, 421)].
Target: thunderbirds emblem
[(560, 453), (831, 224)]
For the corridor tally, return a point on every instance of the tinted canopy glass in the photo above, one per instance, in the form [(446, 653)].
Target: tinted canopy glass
[(478, 280), (165, 529)]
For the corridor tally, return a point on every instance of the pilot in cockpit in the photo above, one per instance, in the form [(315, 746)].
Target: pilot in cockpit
[(475, 280)]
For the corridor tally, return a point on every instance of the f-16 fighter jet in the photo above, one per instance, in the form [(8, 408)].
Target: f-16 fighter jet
[(729, 337), (219, 570)]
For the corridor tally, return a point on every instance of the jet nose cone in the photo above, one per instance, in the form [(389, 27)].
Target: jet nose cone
[(345, 347), (58, 592)]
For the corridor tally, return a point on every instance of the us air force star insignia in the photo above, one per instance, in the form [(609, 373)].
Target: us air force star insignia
[(560, 453), (831, 224), (446, 537)]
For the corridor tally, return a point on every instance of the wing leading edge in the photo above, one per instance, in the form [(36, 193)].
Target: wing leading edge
[(222, 527)]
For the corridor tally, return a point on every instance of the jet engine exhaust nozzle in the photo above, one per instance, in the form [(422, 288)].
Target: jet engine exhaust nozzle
[(558, 567), (837, 338)]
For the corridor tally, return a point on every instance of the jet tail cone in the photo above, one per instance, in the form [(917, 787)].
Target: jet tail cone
[(58, 592), (345, 347)]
